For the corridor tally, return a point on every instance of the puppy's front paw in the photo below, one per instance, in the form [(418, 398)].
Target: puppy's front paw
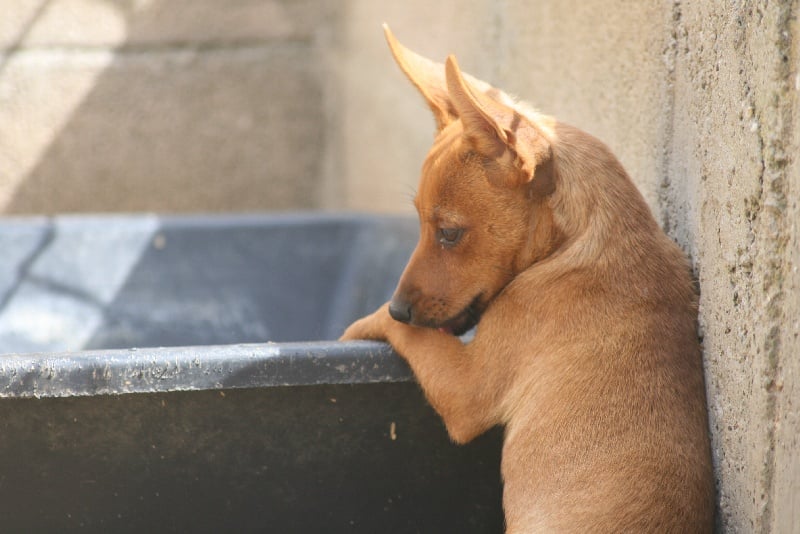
[(369, 327)]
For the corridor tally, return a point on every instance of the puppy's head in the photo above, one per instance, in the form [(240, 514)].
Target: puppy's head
[(483, 198)]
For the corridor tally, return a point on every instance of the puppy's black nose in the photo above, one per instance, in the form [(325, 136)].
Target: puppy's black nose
[(400, 311)]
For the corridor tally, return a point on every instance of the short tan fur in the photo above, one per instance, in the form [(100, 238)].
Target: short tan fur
[(586, 348)]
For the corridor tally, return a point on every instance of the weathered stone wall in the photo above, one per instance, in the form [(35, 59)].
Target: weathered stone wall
[(195, 105)]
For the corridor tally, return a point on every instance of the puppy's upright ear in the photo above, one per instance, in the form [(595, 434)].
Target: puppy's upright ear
[(497, 131), (427, 76)]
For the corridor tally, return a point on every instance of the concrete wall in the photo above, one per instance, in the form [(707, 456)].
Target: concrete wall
[(195, 105)]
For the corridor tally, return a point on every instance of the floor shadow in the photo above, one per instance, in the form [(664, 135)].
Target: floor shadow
[(205, 106)]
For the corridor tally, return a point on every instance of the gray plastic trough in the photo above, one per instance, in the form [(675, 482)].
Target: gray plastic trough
[(237, 424)]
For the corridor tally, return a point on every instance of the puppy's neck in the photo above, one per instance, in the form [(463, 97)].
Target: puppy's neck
[(595, 204)]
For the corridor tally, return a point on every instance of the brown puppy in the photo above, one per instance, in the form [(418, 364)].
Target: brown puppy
[(586, 348)]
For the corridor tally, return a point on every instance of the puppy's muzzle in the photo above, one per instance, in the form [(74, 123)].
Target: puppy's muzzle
[(400, 310)]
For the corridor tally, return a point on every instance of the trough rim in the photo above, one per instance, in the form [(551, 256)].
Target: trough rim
[(198, 368)]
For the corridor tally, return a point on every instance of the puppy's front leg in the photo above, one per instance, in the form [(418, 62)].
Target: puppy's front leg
[(448, 372)]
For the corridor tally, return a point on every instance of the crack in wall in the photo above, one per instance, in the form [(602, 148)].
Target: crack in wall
[(670, 55), (15, 46), (163, 47), (774, 134)]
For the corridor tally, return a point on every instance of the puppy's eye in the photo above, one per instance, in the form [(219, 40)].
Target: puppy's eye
[(450, 236)]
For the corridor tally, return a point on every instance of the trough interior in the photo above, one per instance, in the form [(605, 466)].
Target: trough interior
[(83, 282)]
